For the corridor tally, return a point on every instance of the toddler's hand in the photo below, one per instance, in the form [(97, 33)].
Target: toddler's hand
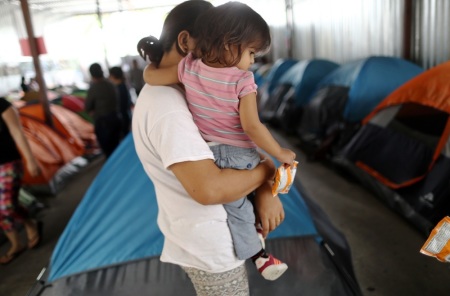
[(286, 156)]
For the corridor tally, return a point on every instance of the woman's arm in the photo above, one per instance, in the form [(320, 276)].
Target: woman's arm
[(208, 184), (258, 132), (161, 76), (269, 210), (12, 120)]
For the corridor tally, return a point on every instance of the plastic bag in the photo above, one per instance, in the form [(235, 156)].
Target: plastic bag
[(438, 243), (284, 178)]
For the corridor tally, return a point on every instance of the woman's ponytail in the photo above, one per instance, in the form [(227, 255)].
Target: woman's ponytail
[(150, 49), (181, 18)]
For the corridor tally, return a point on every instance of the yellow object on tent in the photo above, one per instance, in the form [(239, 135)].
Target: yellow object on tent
[(438, 243), (284, 177)]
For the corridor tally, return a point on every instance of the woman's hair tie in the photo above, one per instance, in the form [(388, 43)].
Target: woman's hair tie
[(150, 49)]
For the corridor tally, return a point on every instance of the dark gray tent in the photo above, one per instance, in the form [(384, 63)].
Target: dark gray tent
[(272, 88), (106, 250), (294, 91)]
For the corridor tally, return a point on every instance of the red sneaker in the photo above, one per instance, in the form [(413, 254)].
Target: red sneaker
[(270, 267)]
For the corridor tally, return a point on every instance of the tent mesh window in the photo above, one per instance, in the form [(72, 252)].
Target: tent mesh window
[(402, 150), (425, 124)]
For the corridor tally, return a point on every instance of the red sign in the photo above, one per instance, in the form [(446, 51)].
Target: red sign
[(25, 46)]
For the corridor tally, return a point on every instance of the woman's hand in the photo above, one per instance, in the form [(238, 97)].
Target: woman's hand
[(268, 209)]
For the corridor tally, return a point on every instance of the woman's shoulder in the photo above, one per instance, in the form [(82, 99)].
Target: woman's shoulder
[(171, 92), (164, 98)]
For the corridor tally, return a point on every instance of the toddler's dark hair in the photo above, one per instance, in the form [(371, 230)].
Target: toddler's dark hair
[(232, 24)]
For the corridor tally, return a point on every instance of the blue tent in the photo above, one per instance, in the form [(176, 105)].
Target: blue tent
[(111, 245), (277, 71), (369, 80), (304, 77), (271, 81), (296, 87), (348, 94)]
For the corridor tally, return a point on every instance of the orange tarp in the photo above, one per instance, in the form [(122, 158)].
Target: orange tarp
[(50, 149), (55, 147), (62, 125), (81, 131)]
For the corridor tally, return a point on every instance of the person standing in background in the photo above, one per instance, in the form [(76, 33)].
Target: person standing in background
[(102, 103), (136, 79), (13, 146), (118, 78), (23, 85)]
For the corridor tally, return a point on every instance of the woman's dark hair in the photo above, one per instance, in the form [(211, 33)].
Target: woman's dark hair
[(181, 17), (234, 24)]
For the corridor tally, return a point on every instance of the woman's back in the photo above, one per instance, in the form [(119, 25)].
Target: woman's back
[(164, 133)]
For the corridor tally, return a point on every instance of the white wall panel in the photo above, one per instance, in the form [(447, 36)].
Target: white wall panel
[(431, 42), (274, 12), (347, 29)]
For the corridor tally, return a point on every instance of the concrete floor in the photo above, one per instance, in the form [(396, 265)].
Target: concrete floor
[(385, 247), (18, 277)]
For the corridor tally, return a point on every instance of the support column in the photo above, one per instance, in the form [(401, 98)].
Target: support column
[(289, 27), (37, 65), (407, 30)]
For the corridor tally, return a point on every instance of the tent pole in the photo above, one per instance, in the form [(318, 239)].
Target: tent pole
[(37, 65)]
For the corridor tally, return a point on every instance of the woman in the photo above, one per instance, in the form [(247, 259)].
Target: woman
[(221, 95), (190, 188), (12, 141)]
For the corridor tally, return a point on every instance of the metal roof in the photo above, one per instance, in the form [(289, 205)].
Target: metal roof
[(80, 7)]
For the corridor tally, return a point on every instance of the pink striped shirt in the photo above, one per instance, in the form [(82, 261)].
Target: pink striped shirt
[(213, 96)]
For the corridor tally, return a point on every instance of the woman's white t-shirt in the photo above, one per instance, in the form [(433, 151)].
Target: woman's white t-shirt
[(164, 133)]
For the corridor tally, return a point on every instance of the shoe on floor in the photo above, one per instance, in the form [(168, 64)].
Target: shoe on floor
[(270, 267), (7, 258)]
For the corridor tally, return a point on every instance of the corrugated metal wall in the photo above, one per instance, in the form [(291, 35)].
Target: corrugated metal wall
[(274, 12), (347, 29), (431, 31), (350, 29)]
